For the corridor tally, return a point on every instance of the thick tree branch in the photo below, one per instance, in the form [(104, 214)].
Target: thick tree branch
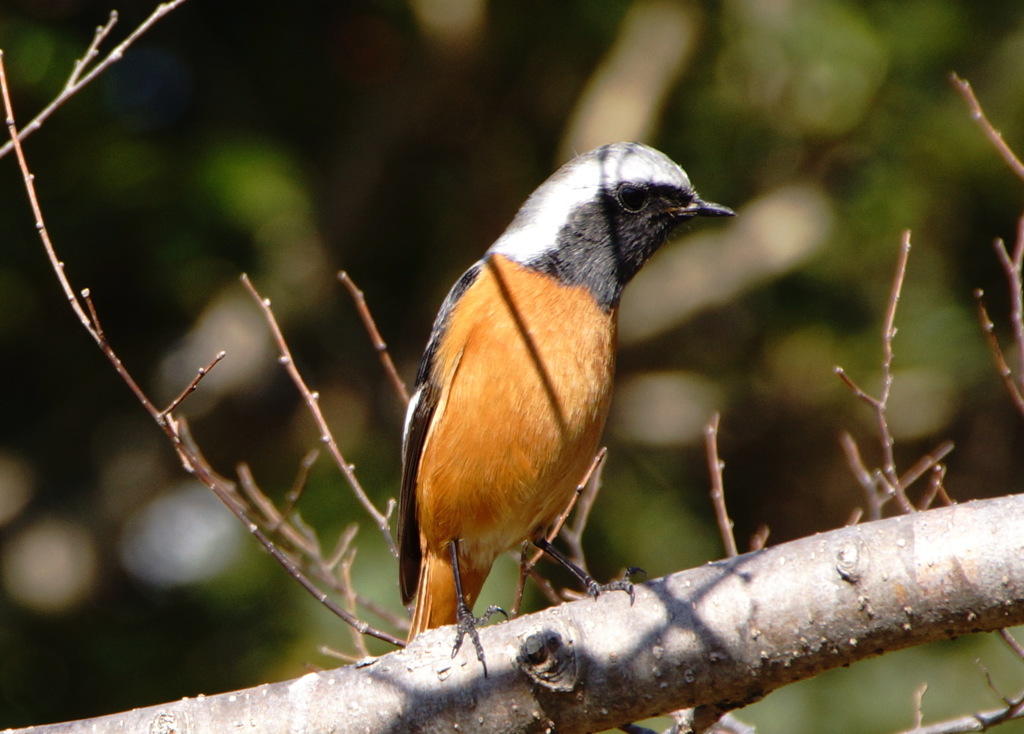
[(724, 635)]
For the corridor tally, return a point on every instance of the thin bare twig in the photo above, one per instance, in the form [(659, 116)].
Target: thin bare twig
[(298, 538), (994, 136), (81, 74), (715, 468), (854, 459), (191, 387), (572, 533), (93, 315), (1002, 367), (701, 720), (306, 557), (935, 489), (176, 429), (760, 537), (378, 342), (99, 36), (343, 546), (991, 685), (1011, 642), (301, 542), (291, 497), (926, 463), (855, 388), (592, 473), (1012, 265), (312, 400), (875, 501), (90, 323), (544, 585), (981, 721), (888, 334), (729, 724), (919, 704), (527, 566), (196, 463), (344, 657), (886, 479), (345, 562)]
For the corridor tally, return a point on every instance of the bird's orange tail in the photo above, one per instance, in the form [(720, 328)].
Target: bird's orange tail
[(437, 603)]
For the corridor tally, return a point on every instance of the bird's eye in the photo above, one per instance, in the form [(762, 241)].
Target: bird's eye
[(632, 198)]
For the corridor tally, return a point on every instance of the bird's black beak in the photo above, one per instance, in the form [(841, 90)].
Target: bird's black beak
[(708, 209), (700, 208)]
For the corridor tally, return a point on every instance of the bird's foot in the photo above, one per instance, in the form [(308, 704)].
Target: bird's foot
[(466, 624), (595, 589)]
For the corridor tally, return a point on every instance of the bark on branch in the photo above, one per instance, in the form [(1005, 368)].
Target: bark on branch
[(722, 635)]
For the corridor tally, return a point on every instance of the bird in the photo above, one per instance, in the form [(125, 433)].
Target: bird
[(513, 389)]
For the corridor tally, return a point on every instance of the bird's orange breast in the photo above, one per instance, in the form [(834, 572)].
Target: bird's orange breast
[(525, 369)]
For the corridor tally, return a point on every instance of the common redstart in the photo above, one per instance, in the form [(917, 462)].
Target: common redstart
[(513, 389)]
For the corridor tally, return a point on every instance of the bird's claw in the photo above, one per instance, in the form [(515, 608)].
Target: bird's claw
[(466, 625), (595, 589)]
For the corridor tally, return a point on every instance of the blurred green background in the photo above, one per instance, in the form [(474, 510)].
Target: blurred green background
[(395, 139)]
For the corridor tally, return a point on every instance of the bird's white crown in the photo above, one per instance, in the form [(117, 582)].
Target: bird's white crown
[(581, 181)]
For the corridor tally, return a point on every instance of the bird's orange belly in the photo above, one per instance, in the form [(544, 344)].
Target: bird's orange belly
[(526, 374)]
